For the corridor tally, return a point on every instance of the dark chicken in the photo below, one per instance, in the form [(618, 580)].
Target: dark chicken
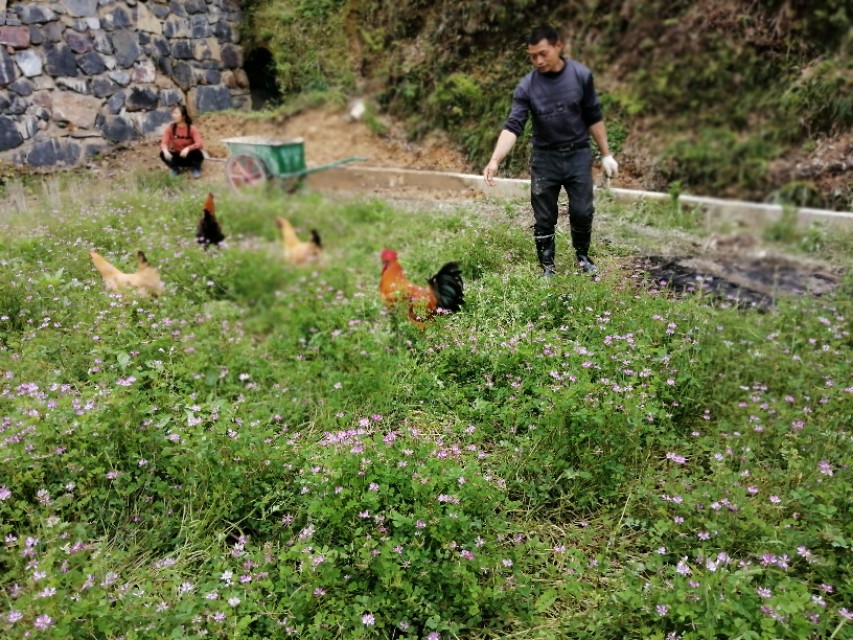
[(208, 231)]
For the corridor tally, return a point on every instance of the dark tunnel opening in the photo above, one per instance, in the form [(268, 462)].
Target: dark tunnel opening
[(260, 69)]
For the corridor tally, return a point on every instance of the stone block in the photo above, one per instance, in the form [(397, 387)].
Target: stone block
[(22, 87), (60, 60), (235, 79), (116, 103), (30, 62), (73, 24), (78, 42), (153, 121), (116, 19), (147, 21), (206, 49), (241, 102), (10, 137), (11, 104), (91, 63), (164, 65), (102, 42), (17, 37), (195, 6), (231, 56), (93, 23), (103, 87), (81, 8), (165, 82), (50, 153), (214, 13), (36, 36), (176, 27), (157, 47), (182, 49), (199, 27), (160, 11), (28, 126), (141, 99), (182, 74), (43, 115), (77, 109), (35, 13), (8, 70), (78, 85), (204, 99), (126, 48), (177, 8), (170, 98), (120, 77), (52, 31), (143, 72), (222, 31), (212, 76), (117, 128)]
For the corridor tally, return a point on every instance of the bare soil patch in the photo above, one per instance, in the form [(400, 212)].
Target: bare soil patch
[(328, 136), (742, 282)]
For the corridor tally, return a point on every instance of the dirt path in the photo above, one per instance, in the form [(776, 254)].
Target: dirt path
[(328, 136)]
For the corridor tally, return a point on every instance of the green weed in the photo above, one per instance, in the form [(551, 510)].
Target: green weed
[(267, 450)]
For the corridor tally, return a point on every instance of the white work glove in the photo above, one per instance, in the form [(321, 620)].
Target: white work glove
[(610, 166), (167, 155)]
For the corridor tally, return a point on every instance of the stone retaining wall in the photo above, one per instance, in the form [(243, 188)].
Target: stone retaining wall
[(79, 76)]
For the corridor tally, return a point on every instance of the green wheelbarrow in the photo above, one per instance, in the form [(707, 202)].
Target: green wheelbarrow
[(256, 159)]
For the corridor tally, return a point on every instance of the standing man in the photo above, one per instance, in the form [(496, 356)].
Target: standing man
[(561, 97)]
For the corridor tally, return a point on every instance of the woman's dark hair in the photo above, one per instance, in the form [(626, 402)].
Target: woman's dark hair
[(185, 114), (187, 120), (544, 32)]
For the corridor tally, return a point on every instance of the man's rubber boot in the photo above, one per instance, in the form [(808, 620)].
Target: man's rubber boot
[(586, 263), (545, 250)]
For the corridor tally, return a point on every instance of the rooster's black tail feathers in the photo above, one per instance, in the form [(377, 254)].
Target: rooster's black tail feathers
[(447, 286), (315, 238), (209, 232)]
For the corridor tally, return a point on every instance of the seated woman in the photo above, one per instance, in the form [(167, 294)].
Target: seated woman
[(181, 145)]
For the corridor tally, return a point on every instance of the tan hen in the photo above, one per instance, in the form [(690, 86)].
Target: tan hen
[(146, 280)]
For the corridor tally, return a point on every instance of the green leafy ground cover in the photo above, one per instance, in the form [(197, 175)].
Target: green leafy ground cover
[(265, 452)]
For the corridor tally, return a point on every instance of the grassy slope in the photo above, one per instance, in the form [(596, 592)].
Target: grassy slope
[(723, 97), (264, 450)]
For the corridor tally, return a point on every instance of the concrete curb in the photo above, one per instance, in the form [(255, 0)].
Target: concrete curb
[(366, 178)]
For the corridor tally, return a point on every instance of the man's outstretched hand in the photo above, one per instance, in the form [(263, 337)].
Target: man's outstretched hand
[(490, 172), (610, 166)]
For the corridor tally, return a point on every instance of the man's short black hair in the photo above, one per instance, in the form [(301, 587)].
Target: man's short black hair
[(544, 32)]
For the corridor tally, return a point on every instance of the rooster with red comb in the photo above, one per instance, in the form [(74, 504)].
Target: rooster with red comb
[(443, 292)]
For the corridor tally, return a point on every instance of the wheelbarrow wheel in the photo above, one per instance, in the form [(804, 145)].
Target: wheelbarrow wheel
[(245, 170)]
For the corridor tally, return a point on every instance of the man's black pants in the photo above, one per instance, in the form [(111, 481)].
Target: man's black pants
[(551, 170)]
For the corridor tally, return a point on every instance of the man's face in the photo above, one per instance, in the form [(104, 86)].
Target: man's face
[(546, 56)]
